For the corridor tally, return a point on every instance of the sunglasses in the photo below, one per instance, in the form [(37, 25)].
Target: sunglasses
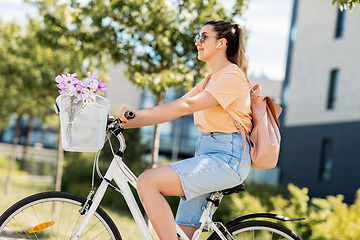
[(201, 37)]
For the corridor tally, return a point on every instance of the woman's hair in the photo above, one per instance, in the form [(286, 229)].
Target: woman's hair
[(234, 36)]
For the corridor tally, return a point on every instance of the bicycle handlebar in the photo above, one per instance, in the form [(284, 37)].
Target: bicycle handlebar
[(129, 114), (114, 127)]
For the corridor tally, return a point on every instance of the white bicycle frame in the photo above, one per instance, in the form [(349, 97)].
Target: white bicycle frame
[(122, 175)]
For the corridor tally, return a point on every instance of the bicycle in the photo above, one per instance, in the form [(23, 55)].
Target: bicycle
[(53, 215)]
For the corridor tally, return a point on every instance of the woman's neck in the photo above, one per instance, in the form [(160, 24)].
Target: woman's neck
[(217, 65)]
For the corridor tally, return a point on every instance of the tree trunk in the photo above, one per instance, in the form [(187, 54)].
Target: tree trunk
[(59, 164), (176, 139), (25, 155), (155, 144), (13, 155)]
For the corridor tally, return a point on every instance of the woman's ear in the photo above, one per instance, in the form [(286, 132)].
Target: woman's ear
[(221, 43)]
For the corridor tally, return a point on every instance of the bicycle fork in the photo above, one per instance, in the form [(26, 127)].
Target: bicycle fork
[(89, 211)]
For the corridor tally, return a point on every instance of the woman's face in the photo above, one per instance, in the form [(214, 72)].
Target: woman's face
[(206, 43)]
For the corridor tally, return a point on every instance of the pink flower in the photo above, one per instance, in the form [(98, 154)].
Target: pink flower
[(59, 79), (92, 75), (101, 86), (79, 91), (62, 89), (65, 82), (69, 84)]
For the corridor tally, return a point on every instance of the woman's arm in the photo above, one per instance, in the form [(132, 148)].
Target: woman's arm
[(190, 93), (169, 111)]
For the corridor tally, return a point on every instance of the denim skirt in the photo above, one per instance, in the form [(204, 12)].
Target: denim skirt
[(217, 165)]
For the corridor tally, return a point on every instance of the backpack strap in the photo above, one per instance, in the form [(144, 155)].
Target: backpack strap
[(244, 136), (239, 126)]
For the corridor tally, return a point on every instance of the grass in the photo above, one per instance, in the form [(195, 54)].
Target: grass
[(19, 190)]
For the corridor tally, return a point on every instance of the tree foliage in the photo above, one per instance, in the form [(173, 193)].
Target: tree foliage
[(154, 38), (28, 69), (325, 218), (344, 4)]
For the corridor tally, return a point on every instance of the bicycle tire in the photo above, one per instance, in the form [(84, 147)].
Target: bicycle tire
[(59, 207), (258, 230)]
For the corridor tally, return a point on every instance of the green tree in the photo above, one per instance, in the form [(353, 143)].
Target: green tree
[(155, 38), (343, 4), (27, 72)]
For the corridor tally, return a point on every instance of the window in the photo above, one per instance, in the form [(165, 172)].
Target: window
[(340, 24), (326, 162), (332, 96)]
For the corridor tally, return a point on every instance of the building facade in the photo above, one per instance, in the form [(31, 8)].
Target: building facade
[(321, 120)]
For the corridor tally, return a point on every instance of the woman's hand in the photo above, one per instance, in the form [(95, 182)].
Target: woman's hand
[(122, 117)]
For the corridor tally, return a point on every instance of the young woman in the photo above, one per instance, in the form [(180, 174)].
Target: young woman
[(219, 162)]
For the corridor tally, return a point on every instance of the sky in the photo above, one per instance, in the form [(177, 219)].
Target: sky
[(267, 20)]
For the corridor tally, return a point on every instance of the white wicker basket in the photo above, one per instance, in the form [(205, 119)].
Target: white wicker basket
[(83, 123)]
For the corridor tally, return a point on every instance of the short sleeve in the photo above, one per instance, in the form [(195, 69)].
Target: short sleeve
[(228, 88), (201, 85)]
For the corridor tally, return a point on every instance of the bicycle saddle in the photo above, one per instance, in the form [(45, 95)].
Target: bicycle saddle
[(236, 189)]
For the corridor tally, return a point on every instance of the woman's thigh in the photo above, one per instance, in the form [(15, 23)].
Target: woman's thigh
[(217, 165), (163, 179)]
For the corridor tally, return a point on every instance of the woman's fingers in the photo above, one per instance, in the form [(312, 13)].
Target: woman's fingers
[(122, 115)]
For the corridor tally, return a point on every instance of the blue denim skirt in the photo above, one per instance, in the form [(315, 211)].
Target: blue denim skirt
[(217, 165)]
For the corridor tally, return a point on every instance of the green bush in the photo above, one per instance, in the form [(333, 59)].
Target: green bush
[(325, 219), (336, 220)]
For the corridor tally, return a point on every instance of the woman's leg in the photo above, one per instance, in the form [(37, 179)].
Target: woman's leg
[(188, 230), (152, 186)]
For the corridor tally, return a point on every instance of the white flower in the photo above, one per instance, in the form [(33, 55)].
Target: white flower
[(94, 86), (86, 82), (71, 90), (86, 93)]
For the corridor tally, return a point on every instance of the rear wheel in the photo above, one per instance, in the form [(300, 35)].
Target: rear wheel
[(53, 215), (259, 230)]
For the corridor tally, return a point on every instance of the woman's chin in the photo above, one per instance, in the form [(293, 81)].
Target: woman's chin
[(201, 58)]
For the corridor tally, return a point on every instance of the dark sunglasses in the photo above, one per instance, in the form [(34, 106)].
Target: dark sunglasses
[(201, 37)]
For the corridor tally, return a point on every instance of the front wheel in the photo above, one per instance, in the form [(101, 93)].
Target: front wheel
[(259, 230), (54, 215)]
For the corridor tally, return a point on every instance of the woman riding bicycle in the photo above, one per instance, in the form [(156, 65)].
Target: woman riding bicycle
[(219, 162)]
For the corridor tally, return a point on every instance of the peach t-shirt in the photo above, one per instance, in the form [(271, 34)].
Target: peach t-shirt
[(231, 89)]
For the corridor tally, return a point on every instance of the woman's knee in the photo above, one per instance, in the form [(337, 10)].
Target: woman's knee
[(162, 179), (145, 182)]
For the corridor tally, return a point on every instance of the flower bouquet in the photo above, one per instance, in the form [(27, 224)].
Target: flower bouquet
[(83, 113)]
